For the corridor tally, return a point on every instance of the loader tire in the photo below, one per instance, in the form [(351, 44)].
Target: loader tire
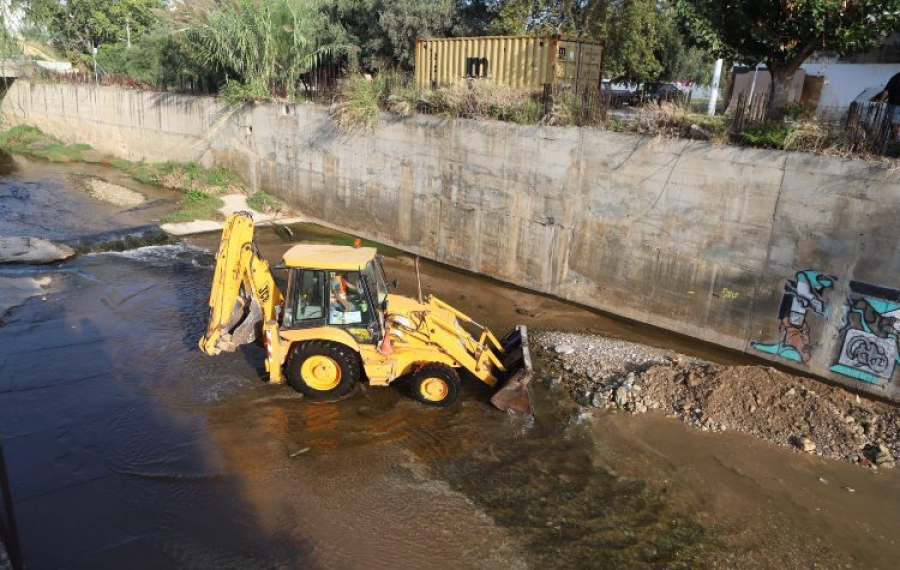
[(323, 370), (435, 385)]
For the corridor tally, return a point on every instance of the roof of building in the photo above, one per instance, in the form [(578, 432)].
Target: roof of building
[(330, 257)]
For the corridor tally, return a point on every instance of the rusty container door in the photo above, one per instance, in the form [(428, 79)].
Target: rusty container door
[(526, 62), (579, 63)]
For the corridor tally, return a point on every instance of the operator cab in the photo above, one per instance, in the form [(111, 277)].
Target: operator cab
[(330, 285)]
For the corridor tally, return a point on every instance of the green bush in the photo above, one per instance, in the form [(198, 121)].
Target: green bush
[(363, 101), (796, 111), (236, 92), (769, 134)]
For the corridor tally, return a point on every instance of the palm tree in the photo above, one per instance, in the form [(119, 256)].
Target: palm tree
[(262, 47)]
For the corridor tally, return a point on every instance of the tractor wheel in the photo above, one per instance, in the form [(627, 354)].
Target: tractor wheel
[(435, 385), (323, 370)]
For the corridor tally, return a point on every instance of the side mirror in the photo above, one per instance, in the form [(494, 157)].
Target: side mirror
[(384, 306)]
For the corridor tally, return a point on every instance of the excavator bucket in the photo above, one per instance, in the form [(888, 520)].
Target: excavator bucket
[(513, 395), (244, 325), (235, 313)]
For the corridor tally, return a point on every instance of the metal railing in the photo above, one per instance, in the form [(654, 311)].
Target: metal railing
[(749, 111), (584, 106), (870, 125), (860, 129)]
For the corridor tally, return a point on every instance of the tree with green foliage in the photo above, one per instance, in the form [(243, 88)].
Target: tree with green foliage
[(8, 44), (642, 42), (75, 26), (156, 57), (384, 31), (783, 34), (634, 40), (584, 18), (261, 47)]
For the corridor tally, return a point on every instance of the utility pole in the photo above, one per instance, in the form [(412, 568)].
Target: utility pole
[(128, 31), (753, 85), (714, 88), (94, 57)]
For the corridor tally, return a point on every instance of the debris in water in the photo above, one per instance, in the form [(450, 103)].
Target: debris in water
[(299, 452)]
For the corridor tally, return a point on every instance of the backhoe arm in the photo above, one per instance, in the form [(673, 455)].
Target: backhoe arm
[(243, 290)]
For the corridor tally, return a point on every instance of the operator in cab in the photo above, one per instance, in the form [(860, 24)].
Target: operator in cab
[(339, 286)]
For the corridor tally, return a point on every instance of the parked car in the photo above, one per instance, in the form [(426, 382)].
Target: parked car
[(619, 94), (659, 92)]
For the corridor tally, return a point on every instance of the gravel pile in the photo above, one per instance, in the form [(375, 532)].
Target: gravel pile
[(777, 407)]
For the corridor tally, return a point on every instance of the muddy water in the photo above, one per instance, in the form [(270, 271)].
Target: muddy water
[(127, 447)]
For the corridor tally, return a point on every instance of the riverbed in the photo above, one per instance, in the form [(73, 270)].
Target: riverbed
[(128, 447)]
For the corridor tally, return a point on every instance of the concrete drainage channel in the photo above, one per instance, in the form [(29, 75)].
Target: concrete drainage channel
[(735, 230), (213, 467)]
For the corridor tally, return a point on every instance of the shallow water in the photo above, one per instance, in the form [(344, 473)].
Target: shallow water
[(128, 447)]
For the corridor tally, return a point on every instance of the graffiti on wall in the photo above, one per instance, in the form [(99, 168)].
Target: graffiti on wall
[(868, 349), (802, 294)]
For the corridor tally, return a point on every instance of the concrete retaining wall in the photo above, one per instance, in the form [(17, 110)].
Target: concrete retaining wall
[(787, 256)]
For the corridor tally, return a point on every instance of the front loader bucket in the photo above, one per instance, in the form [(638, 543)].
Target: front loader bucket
[(513, 395)]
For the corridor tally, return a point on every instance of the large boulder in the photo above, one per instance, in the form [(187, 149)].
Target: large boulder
[(21, 249)]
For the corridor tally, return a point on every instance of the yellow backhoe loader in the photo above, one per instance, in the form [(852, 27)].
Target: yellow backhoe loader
[(336, 325)]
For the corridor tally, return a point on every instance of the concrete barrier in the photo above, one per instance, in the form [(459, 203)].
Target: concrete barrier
[(787, 256)]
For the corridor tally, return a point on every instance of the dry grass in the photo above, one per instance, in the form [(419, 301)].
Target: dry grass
[(483, 99), (668, 120), (810, 135), (363, 99), (563, 111)]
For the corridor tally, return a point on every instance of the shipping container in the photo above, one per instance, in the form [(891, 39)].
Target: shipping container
[(517, 61)]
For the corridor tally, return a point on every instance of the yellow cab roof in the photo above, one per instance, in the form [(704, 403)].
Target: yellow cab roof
[(333, 257)]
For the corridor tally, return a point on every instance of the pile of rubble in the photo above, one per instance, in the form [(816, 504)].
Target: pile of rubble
[(781, 408)]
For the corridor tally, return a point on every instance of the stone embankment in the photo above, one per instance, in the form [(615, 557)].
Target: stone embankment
[(774, 406)]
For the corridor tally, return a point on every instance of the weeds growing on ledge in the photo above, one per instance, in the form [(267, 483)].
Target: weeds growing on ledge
[(196, 205), (363, 100), (262, 202), (201, 184), (24, 139)]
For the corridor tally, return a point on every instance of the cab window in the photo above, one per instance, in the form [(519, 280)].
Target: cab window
[(348, 303), (375, 278), (308, 302)]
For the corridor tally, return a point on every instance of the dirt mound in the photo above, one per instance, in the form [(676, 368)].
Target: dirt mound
[(781, 408)]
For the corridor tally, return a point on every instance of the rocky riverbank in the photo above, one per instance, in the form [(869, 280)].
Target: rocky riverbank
[(807, 415)]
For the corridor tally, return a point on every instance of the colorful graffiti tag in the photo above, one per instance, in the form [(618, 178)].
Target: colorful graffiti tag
[(871, 331), (802, 294)]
